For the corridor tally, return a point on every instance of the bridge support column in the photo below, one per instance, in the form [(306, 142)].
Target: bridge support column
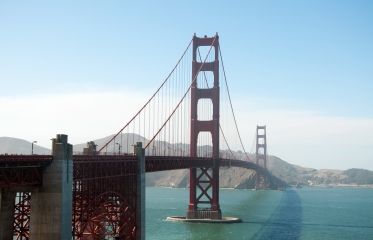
[(140, 198), (215, 206), (51, 208), (192, 207), (7, 198)]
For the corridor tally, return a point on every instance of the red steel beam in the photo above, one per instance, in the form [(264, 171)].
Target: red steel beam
[(22, 170), (104, 197)]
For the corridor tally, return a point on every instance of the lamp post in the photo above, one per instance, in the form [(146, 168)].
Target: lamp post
[(32, 147), (119, 148), (153, 150)]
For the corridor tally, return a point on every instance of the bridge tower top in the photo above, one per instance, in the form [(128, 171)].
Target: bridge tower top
[(261, 145)]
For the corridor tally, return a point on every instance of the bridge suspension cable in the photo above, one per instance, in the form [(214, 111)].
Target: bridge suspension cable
[(221, 130), (252, 146), (147, 103), (181, 100), (230, 101)]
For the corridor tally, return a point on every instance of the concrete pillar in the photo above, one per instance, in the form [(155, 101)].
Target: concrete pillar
[(51, 208), (6, 214), (140, 204), (192, 206)]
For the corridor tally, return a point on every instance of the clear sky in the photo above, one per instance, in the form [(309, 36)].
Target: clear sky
[(303, 68)]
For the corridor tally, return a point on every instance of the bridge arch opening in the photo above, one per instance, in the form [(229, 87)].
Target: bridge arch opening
[(205, 80), (204, 109), (204, 144), (202, 52), (261, 131)]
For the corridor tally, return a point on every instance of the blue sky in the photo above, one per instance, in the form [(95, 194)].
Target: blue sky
[(304, 68)]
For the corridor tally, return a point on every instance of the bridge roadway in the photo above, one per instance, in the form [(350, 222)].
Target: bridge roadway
[(26, 170)]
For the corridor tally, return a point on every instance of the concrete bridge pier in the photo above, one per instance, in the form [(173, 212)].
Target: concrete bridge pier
[(7, 198), (140, 198), (51, 208)]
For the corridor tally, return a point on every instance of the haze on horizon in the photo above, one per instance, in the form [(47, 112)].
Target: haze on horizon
[(303, 69)]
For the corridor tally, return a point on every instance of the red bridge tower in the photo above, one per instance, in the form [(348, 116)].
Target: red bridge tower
[(261, 144), (204, 179)]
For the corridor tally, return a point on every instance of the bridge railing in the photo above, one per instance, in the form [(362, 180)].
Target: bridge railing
[(104, 153), (24, 160)]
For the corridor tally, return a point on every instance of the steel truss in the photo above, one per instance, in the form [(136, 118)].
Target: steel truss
[(204, 183), (104, 197), (22, 209), (22, 170)]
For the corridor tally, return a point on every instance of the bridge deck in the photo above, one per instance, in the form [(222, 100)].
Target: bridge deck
[(25, 170)]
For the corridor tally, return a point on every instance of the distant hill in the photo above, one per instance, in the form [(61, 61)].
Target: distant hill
[(126, 142), (11, 145), (360, 176), (289, 173), (229, 177), (293, 174)]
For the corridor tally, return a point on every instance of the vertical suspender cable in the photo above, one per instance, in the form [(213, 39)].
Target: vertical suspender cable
[(148, 100), (194, 79), (230, 101)]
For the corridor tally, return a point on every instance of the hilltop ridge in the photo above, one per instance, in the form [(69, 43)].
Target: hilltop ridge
[(11, 145)]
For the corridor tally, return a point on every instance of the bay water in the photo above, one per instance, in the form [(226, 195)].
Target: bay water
[(305, 213)]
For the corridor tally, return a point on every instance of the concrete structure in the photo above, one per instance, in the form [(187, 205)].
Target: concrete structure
[(140, 203), (52, 205), (90, 149), (205, 220), (6, 213)]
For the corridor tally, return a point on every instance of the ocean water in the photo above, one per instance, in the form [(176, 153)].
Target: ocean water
[(306, 213)]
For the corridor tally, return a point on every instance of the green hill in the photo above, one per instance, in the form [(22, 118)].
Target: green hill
[(359, 176)]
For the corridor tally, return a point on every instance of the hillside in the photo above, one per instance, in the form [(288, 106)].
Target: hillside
[(360, 176), (238, 178), (126, 143), (293, 174), (11, 145)]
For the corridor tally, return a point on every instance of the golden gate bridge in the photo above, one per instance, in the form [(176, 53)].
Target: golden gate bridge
[(99, 193)]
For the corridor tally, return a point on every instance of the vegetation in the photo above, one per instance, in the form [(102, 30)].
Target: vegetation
[(359, 176)]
